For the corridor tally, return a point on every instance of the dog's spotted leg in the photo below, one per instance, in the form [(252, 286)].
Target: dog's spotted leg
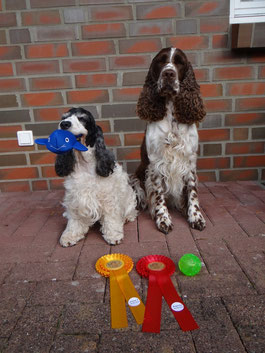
[(157, 202), (195, 217)]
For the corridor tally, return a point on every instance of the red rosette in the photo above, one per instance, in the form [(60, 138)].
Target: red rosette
[(143, 265), (158, 269)]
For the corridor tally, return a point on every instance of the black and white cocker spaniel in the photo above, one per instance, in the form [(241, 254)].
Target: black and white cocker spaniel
[(96, 187), (171, 104)]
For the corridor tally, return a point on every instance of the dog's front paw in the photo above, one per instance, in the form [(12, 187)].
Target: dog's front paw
[(68, 239), (197, 221), (114, 239), (164, 224)]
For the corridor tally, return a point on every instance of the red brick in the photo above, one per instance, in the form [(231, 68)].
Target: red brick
[(41, 99), (201, 74), (57, 184), (150, 28), (257, 57), (148, 12), (240, 134), (206, 176), (18, 173), (11, 85), (55, 33), (132, 46), (126, 94), (206, 8), (111, 13), (239, 174), (262, 72), (8, 101), (221, 105), (49, 83), (103, 30), (233, 73), (16, 186), (211, 90), (214, 135), (112, 140), (93, 48), (12, 145), (51, 3), (38, 51), (128, 62), (249, 161), (250, 104), (245, 148), (37, 67), (134, 139), (221, 57), (220, 41), (35, 18), (244, 119), (189, 42), (87, 96), (96, 80), (128, 153), (9, 131), (83, 65), (246, 89), (42, 158), (6, 69), (213, 163), (212, 25), (48, 172), (48, 114), (38, 185), (105, 125), (8, 19), (10, 52)]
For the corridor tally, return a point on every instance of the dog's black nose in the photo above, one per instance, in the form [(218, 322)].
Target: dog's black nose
[(65, 125), (169, 74)]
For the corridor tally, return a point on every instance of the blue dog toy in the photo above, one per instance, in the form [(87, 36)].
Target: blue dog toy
[(61, 141)]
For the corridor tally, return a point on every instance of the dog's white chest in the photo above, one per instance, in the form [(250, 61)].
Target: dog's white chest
[(182, 139)]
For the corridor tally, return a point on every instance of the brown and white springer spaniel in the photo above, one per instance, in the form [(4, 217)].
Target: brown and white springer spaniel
[(171, 104)]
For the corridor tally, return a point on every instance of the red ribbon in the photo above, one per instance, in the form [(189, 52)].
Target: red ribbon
[(160, 285)]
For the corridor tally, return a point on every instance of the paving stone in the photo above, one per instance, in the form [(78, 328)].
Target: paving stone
[(5, 269), (8, 321), (65, 292), (75, 344), (42, 271), (215, 285), (3, 344), (35, 330), (135, 342), (15, 295), (216, 333), (70, 253), (85, 318), (247, 314)]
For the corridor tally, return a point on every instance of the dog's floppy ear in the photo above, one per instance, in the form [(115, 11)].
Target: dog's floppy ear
[(105, 160), (64, 163), (91, 129)]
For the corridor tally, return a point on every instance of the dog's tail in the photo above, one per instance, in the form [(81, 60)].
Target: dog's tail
[(139, 191)]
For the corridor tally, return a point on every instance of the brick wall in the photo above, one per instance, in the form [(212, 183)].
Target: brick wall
[(56, 54)]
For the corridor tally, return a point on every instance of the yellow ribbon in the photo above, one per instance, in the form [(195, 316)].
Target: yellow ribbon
[(116, 267)]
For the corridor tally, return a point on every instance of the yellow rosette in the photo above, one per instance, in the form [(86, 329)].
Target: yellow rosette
[(117, 267)]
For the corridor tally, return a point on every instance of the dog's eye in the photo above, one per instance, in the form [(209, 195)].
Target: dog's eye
[(66, 139), (82, 119)]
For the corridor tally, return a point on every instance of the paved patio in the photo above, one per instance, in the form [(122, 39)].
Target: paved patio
[(53, 300)]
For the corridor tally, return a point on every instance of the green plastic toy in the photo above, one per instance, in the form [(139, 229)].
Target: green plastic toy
[(190, 265)]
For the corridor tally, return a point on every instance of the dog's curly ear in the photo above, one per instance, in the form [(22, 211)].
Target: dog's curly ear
[(105, 161), (64, 163)]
